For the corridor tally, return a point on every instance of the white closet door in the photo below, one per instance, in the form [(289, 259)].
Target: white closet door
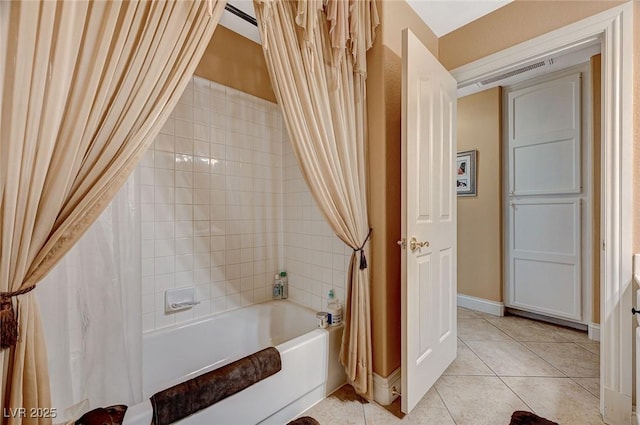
[(544, 198), (545, 256), (544, 138)]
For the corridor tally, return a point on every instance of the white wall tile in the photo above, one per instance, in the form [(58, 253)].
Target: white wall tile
[(313, 256), (226, 207), (203, 215)]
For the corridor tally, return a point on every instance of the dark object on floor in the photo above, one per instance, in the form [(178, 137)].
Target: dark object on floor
[(112, 415), (304, 420), (520, 417), (202, 391)]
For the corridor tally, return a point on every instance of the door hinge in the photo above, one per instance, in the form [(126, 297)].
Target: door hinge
[(603, 245)]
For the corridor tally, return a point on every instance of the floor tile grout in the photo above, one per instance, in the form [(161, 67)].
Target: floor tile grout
[(585, 388), (445, 405), (517, 395), (453, 400), (479, 358)]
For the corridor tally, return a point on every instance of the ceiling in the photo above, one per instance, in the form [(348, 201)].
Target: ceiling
[(238, 25), (442, 16)]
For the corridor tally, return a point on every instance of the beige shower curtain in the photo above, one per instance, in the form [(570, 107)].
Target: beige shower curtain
[(85, 88), (316, 56)]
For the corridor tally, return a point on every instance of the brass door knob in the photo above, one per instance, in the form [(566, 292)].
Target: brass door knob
[(415, 245)]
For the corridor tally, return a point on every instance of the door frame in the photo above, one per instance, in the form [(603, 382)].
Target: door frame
[(614, 27)]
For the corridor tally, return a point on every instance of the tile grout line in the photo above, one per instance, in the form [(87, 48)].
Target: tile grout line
[(500, 377), (364, 414), (516, 394), (479, 358), (585, 388), (544, 360), (554, 366), (566, 375), (445, 404), (521, 343)]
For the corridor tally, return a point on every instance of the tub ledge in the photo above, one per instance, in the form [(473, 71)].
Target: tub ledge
[(140, 413)]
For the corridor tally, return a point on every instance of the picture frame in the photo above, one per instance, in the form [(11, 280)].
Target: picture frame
[(466, 173)]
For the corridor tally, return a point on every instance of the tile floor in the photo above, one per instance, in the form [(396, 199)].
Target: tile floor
[(503, 364)]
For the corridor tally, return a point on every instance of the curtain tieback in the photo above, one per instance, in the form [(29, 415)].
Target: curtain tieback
[(363, 258), (8, 321)]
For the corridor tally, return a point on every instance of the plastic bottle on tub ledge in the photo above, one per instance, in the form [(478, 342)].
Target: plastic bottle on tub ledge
[(277, 287), (284, 282), (335, 310)]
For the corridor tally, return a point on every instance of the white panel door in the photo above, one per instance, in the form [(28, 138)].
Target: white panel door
[(544, 138), (428, 220), (545, 256), (544, 199)]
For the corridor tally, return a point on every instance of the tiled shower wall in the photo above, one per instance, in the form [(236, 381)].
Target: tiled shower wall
[(224, 206), (316, 260), (211, 203)]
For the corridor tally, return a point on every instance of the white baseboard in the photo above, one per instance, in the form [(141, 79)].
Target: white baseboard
[(383, 388), (594, 331), (480, 304)]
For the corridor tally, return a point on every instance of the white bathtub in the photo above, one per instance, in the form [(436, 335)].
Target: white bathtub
[(310, 368)]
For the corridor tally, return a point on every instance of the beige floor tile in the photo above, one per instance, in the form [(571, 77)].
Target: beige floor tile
[(479, 330), (478, 400), (341, 407), (429, 411), (522, 329), (467, 363), (590, 384), (570, 358), (464, 313), (511, 358), (557, 399), (593, 346), (466, 395), (572, 335)]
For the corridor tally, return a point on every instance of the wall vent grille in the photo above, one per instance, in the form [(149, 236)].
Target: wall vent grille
[(514, 72)]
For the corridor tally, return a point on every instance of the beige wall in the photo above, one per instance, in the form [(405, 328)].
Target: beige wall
[(480, 264), (527, 19), (479, 217), (514, 23), (228, 63), (383, 103), (237, 62)]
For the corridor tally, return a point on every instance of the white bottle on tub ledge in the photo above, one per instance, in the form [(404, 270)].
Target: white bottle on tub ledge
[(284, 288), (335, 310), (277, 287)]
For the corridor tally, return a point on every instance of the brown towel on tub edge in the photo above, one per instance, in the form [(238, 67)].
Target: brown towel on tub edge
[(112, 415), (202, 391), (304, 420)]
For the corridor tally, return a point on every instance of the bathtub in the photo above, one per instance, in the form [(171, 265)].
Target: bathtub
[(310, 368)]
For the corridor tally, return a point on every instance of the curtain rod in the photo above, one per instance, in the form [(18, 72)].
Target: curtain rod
[(242, 15)]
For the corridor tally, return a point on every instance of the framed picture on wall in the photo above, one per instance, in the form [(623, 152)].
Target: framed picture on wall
[(466, 173)]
